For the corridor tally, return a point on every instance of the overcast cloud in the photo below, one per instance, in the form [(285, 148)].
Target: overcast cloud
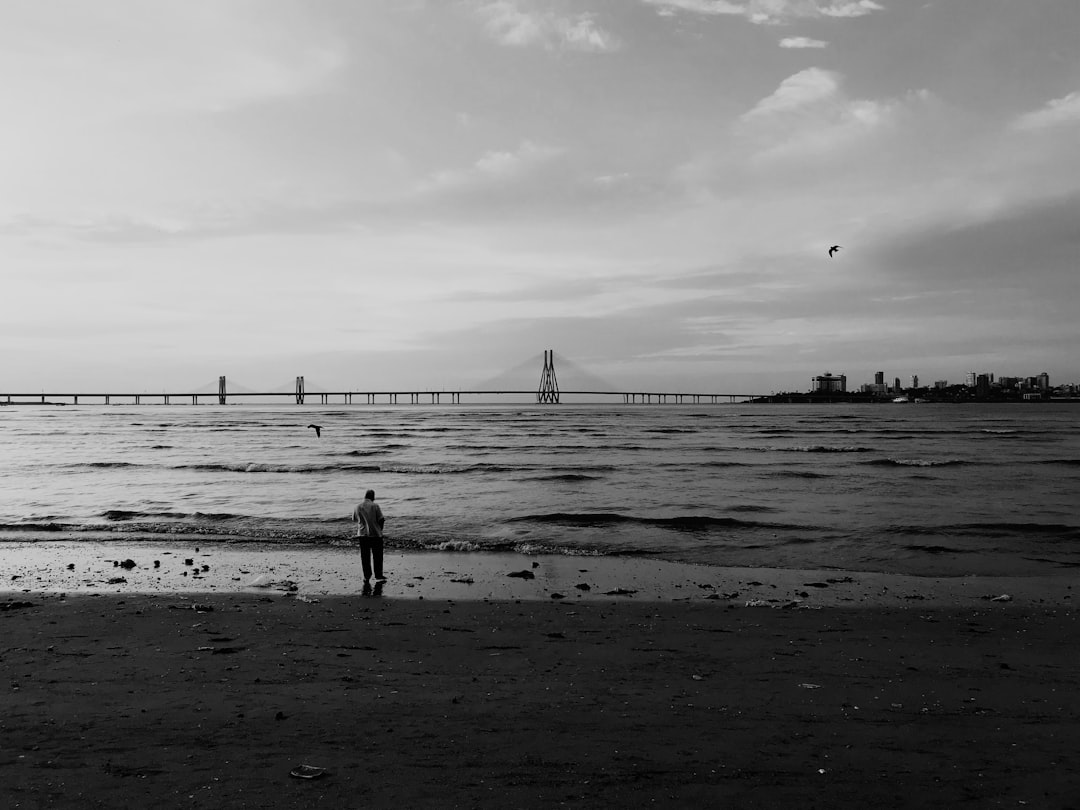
[(430, 193)]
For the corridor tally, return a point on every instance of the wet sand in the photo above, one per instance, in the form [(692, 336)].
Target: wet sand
[(719, 692)]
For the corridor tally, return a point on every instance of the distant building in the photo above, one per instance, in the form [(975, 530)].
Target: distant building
[(879, 378), (941, 384), (914, 380), (1043, 381), (982, 385), (896, 386), (971, 379), (830, 383)]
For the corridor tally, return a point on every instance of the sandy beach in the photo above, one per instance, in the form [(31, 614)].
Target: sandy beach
[(755, 689)]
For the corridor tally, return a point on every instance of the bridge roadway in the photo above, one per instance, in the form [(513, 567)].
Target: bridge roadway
[(368, 397)]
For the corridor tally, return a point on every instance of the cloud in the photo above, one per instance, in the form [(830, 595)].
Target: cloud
[(122, 57), (508, 23), (771, 12), (801, 90), (802, 42), (809, 113), (1064, 110), (495, 167)]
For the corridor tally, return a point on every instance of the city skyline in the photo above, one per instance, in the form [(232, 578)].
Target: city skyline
[(424, 193)]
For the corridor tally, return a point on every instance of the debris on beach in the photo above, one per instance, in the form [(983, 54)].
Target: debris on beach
[(620, 592), (464, 581), (583, 586), (15, 605), (202, 608), (116, 581), (128, 564), (522, 574), (266, 581), (307, 771)]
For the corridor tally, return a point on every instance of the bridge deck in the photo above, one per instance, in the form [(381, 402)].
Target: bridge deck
[(387, 396)]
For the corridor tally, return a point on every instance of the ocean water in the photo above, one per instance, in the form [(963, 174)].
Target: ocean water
[(914, 488)]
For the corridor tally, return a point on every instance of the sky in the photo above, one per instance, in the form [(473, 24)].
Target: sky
[(428, 194)]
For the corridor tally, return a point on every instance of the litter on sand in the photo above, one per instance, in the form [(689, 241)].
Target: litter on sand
[(307, 772)]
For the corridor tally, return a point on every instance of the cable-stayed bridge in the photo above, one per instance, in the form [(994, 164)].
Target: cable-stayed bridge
[(588, 387)]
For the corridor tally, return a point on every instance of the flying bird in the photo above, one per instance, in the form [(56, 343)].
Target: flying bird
[(833, 250), (318, 430)]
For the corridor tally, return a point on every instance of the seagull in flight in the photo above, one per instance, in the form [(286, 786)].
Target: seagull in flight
[(318, 430), (833, 250)]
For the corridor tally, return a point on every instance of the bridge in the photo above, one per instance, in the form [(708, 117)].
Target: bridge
[(547, 392)]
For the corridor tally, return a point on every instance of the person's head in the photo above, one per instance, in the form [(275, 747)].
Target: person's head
[(369, 495)]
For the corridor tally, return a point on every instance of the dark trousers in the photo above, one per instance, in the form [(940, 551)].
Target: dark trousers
[(371, 552)]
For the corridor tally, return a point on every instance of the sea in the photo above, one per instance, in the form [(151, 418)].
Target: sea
[(925, 489)]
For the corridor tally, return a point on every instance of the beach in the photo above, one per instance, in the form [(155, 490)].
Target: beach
[(757, 689)]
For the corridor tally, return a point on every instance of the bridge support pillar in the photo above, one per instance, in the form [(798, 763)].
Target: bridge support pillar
[(548, 391), (221, 390), (299, 390)]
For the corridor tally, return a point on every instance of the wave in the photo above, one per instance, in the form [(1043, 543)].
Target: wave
[(253, 467), (679, 523), (103, 465), (563, 477), (916, 462), (165, 514), (1067, 462), (819, 448), (990, 529), (938, 549), (796, 474)]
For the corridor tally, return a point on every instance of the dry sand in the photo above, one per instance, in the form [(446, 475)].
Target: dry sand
[(877, 691)]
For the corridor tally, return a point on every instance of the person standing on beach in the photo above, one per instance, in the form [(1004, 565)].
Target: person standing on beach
[(369, 528)]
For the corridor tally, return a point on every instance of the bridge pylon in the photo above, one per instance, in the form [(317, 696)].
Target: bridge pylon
[(549, 386)]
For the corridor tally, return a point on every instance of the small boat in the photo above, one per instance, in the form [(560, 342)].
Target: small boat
[(901, 399)]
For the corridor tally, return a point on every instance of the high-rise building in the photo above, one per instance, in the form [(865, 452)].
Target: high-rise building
[(914, 380), (830, 382), (879, 378), (1044, 381)]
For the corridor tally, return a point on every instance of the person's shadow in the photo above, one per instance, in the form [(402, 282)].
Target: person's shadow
[(372, 592)]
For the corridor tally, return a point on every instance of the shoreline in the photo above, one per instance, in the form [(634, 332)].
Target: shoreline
[(310, 573)]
